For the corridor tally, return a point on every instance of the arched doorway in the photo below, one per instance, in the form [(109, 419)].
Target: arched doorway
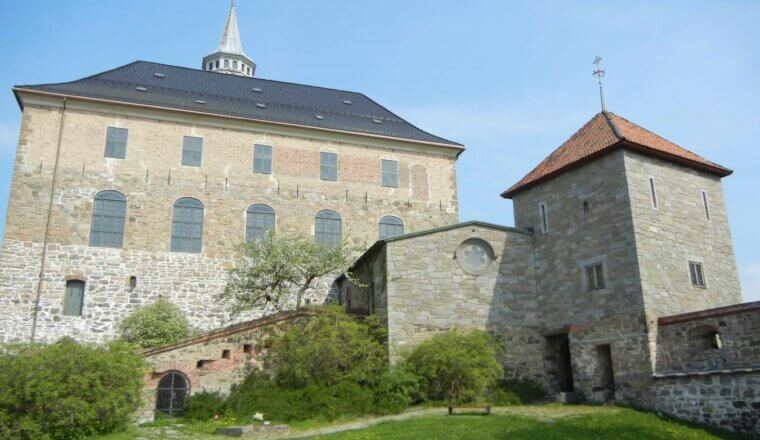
[(171, 392)]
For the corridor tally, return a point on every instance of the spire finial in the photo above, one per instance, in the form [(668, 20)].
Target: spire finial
[(599, 73)]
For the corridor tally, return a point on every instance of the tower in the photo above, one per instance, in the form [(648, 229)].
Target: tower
[(229, 56)]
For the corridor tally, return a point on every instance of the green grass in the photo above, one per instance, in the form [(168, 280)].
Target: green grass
[(542, 422)]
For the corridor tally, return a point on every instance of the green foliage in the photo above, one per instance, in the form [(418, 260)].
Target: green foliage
[(66, 390), (456, 366), (328, 366), (327, 348), (157, 324), (395, 390), (204, 406), (279, 269)]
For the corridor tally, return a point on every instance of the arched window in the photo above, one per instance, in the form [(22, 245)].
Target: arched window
[(328, 228), (187, 225), (108, 211), (171, 392), (73, 300), (258, 220), (391, 226)]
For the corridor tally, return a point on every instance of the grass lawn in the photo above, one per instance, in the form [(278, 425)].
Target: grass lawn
[(542, 422)]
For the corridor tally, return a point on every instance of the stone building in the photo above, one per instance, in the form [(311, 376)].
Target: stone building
[(139, 182), (618, 281)]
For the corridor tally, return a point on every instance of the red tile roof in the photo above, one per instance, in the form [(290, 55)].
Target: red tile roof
[(606, 132)]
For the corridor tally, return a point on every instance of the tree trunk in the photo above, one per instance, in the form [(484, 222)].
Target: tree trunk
[(301, 291)]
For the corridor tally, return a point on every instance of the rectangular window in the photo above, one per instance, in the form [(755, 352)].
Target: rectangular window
[(390, 173), (544, 219), (594, 277), (328, 166), (697, 274), (116, 142), (192, 151), (705, 204), (653, 191), (73, 300), (262, 159)]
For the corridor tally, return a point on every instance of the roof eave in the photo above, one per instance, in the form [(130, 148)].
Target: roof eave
[(459, 148), (623, 143)]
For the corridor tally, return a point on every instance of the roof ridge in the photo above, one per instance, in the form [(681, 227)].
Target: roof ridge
[(78, 79), (612, 124)]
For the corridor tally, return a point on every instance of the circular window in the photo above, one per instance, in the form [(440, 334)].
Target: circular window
[(474, 256)]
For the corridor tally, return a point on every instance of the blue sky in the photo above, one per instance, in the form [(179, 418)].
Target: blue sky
[(509, 80)]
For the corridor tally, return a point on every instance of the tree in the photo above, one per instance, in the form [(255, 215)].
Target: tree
[(157, 324), (276, 269)]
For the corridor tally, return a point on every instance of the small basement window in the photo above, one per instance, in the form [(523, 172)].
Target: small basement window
[(225, 354), (132, 282), (247, 348)]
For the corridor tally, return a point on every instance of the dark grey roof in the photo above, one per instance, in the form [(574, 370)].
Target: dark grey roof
[(239, 96)]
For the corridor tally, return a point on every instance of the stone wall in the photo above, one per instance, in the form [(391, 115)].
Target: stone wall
[(676, 232), (428, 291), (152, 179), (202, 360), (589, 221)]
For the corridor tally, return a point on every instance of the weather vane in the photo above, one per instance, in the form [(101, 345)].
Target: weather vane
[(599, 73)]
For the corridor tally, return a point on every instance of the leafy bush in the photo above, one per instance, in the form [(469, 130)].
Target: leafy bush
[(157, 324), (395, 390), (456, 366), (203, 406), (329, 347), (66, 390)]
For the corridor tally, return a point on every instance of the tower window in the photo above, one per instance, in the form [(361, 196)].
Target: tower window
[(328, 166), (594, 277), (328, 227), (262, 159), (73, 301), (544, 218), (132, 282), (653, 192), (226, 64), (697, 273), (108, 211), (586, 207), (116, 142), (706, 205), (389, 173), (192, 151)]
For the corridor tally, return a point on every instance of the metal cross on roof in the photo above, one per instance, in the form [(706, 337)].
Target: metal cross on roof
[(599, 73)]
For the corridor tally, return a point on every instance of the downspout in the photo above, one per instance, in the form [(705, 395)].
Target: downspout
[(47, 225)]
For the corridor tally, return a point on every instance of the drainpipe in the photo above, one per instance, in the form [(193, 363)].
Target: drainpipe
[(47, 225)]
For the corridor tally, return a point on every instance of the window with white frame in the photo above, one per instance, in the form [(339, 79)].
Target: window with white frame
[(594, 277), (697, 274)]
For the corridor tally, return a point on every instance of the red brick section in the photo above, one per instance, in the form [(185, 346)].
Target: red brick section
[(709, 313), (606, 132)]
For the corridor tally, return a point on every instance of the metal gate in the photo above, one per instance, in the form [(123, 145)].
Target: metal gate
[(171, 392)]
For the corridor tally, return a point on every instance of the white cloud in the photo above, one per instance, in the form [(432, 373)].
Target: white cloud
[(750, 278)]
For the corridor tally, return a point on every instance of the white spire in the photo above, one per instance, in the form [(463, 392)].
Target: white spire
[(229, 56), (230, 41)]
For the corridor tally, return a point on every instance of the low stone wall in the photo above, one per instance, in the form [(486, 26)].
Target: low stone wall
[(211, 362), (729, 400)]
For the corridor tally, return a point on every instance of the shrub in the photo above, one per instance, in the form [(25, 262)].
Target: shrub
[(328, 348), (157, 324), (456, 366), (395, 390), (203, 406), (66, 390)]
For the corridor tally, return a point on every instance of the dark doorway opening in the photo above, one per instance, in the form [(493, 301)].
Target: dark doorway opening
[(171, 392), (606, 374), (564, 366)]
